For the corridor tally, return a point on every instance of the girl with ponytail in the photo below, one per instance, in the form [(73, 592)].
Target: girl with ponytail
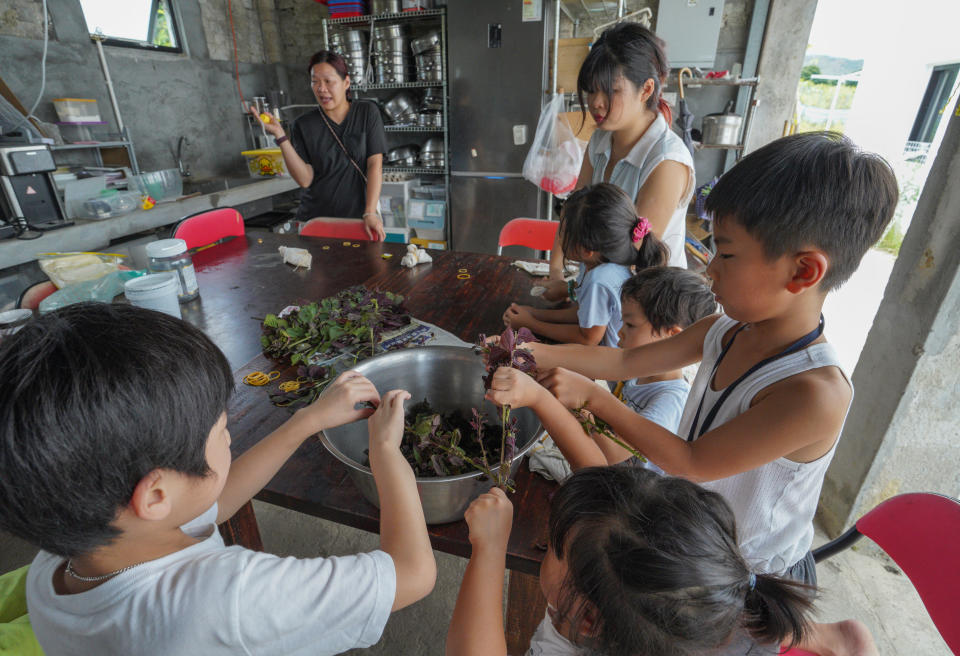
[(620, 84), (600, 228), (637, 564)]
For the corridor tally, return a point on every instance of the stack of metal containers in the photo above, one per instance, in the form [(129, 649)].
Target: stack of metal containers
[(429, 57), (352, 45), (390, 50), (433, 155)]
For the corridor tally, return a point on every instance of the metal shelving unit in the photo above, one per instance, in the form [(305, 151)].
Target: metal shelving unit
[(98, 156), (749, 83), (427, 17)]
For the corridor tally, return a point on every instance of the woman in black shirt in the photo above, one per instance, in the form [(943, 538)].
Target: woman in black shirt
[(335, 183)]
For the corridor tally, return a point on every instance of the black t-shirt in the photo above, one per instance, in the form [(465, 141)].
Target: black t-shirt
[(338, 188)]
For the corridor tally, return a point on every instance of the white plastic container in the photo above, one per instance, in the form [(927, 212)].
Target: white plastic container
[(155, 291), (77, 110)]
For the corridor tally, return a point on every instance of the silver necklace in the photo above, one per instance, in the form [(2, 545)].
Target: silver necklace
[(102, 577)]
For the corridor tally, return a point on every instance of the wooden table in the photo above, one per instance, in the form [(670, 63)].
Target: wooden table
[(244, 279)]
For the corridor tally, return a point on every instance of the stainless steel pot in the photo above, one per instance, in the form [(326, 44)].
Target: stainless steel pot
[(388, 31), (391, 44), (385, 6), (434, 146), (427, 42), (429, 75), (450, 378), (431, 119), (722, 129)]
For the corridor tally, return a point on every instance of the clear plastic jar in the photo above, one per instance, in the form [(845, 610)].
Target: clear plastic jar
[(171, 255)]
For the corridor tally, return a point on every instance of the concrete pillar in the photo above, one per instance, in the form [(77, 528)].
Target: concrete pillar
[(781, 59), (903, 432)]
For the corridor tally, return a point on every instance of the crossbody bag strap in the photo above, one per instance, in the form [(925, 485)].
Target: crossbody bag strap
[(342, 147)]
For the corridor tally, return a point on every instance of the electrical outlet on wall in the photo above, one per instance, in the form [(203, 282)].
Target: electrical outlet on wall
[(519, 135)]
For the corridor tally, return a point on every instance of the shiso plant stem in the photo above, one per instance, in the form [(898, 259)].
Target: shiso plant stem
[(592, 424)]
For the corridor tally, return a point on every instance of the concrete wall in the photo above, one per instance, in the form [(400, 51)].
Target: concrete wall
[(902, 434), (163, 96)]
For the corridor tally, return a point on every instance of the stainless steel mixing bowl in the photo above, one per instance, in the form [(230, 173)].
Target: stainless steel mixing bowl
[(449, 377)]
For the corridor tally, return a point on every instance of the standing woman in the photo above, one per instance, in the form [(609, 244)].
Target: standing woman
[(633, 146), (335, 152)]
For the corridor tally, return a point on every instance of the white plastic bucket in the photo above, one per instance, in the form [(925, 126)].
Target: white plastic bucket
[(156, 291)]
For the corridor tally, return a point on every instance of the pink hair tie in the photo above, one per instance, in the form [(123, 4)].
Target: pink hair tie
[(642, 229)]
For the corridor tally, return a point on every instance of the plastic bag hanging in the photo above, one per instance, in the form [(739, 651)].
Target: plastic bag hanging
[(553, 163)]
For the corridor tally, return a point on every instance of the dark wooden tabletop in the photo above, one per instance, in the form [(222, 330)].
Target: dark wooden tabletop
[(245, 279)]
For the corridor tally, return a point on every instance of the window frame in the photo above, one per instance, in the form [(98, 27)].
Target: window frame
[(146, 45)]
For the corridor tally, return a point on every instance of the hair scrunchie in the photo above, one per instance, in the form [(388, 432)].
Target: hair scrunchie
[(641, 230)]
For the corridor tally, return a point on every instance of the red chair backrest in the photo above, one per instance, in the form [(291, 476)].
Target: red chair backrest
[(210, 226), (335, 229), (921, 532), (532, 233)]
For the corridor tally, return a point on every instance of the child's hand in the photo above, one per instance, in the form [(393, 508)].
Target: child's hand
[(490, 518), (571, 389), (514, 388), (556, 290), (337, 404), (517, 316), (386, 424)]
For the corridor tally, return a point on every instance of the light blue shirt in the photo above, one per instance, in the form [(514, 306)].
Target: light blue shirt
[(657, 144), (598, 296), (661, 402)]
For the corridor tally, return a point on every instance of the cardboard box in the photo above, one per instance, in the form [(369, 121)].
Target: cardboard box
[(569, 59)]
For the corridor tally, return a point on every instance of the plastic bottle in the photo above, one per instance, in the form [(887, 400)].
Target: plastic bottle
[(171, 255)]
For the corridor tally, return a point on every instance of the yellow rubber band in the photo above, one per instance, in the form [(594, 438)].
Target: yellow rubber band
[(463, 276), (461, 270), (259, 379)]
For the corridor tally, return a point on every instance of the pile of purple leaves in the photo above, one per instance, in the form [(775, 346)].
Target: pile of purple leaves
[(448, 444), (313, 379)]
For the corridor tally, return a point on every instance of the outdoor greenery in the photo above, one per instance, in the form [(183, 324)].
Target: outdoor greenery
[(161, 33)]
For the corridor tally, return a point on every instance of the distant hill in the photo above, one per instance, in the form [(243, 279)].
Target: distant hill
[(833, 65)]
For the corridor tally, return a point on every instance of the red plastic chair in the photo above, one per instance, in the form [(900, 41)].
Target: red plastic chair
[(532, 233), (210, 226), (31, 296), (335, 229), (920, 531)]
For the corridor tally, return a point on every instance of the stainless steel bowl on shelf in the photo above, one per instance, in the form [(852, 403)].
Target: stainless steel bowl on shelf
[(403, 155), (388, 31), (399, 106), (430, 119), (450, 378)]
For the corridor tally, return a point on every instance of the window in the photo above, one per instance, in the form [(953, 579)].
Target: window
[(939, 90), (145, 24)]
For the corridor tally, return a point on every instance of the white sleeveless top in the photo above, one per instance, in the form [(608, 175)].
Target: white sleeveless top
[(774, 504), (657, 144)]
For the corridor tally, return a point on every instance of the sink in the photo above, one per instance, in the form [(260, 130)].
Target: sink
[(213, 185)]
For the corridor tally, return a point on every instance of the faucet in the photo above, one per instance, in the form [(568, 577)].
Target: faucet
[(183, 168)]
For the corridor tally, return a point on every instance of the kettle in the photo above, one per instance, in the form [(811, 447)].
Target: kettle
[(722, 129)]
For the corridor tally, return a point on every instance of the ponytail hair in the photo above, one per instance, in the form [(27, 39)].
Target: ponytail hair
[(602, 218), (653, 562), (775, 609), (630, 50)]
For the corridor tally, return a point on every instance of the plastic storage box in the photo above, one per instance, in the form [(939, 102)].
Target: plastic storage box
[(265, 162), (110, 203), (397, 235), (82, 133), (159, 185), (77, 110)]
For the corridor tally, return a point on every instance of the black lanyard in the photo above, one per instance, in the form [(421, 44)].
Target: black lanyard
[(801, 343)]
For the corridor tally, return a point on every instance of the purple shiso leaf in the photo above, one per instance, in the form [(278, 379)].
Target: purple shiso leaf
[(511, 445), (524, 361), (437, 465), (524, 335), (507, 340)]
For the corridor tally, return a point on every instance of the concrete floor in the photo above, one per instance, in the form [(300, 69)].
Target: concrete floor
[(853, 584)]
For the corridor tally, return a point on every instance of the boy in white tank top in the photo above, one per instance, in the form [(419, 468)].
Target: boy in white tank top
[(791, 222)]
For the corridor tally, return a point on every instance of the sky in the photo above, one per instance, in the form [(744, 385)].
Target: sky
[(841, 28)]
